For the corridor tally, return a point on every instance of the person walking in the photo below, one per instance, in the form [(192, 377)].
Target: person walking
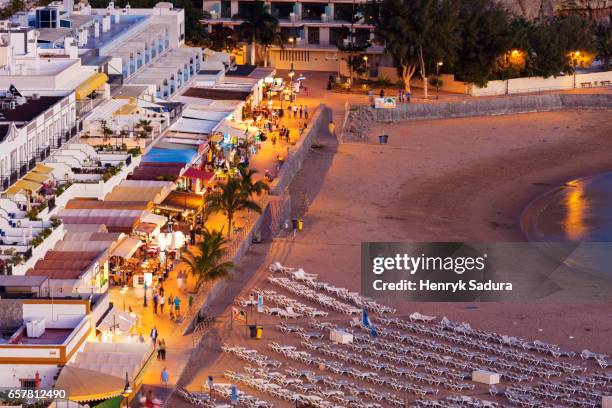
[(295, 111), (155, 303), (154, 335), (161, 291), (164, 376), (179, 280), (177, 306), (162, 302), (301, 111), (306, 112), (162, 349), (159, 349)]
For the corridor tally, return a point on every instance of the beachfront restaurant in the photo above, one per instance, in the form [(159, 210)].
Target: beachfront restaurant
[(102, 371)]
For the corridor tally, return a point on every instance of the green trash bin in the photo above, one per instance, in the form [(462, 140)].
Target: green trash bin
[(253, 331)]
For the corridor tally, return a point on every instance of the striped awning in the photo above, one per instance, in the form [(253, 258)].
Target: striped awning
[(32, 186), (41, 168), (36, 177)]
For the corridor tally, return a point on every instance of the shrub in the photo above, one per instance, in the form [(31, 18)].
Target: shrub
[(36, 241)]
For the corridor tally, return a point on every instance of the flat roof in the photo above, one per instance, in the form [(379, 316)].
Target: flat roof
[(50, 336), (29, 110), (22, 280), (241, 70), (130, 90), (217, 94), (53, 34)]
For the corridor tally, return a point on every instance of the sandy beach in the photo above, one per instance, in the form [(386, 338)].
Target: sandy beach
[(443, 180)]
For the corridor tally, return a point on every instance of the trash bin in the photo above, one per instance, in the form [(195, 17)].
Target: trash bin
[(253, 331), (259, 332), (300, 224), (383, 139)]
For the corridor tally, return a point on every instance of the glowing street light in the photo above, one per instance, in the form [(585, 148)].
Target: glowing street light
[(576, 55), (438, 65)]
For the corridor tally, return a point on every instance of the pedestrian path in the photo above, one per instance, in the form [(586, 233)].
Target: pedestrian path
[(179, 346)]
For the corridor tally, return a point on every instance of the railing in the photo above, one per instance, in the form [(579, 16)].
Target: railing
[(23, 169), (32, 163)]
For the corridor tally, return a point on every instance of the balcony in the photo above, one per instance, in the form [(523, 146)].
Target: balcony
[(43, 153), (23, 169), (14, 176)]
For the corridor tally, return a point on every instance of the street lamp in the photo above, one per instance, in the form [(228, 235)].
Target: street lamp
[(575, 56), (292, 42), (438, 65), (123, 291), (365, 59), (127, 390)]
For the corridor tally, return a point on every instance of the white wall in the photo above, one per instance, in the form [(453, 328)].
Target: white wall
[(39, 252), (536, 84), (58, 315), (11, 373)]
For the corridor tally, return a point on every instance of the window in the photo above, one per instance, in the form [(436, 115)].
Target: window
[(343, 11), (313, 11), (226, 9), (291, 32), (27, 383), (289, 55), (246, 7), (281, 9), (313, 35), (337, 35)]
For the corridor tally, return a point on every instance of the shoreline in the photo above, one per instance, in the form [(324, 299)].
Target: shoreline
[(540, 203)]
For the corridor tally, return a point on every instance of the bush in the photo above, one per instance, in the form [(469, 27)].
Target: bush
[(36, 241), (135, 151), (45, 233), (55, 222), (33, 214)]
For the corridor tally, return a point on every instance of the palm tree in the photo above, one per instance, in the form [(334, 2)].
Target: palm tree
[(145, 127), (230, 199), (204, 262), (249, 185), (258, 27)]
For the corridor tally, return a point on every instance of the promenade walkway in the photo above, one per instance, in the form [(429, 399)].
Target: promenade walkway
[(179, 346)]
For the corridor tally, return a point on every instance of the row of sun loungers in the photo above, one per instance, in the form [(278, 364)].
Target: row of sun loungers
[(311, 280), (243, 399), (309, 389), (540, 363), (314, 296), (250, 356), (197, 398), (418, 355)]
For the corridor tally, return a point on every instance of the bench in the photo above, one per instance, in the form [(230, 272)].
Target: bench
[(585, 84)]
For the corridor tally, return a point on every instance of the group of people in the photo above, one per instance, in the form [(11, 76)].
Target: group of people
[(301, 110), (283, 135), (174, 302)]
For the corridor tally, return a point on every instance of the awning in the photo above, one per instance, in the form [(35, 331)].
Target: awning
[(91, 84), (36, 177), (151, 218), (41, 168), (193, 173), (117, 321), (127, 248), (13, 190), (83, 385), (28, 185), (198, 126)]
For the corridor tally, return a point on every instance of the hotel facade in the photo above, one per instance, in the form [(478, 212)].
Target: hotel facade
[(317, 28)]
